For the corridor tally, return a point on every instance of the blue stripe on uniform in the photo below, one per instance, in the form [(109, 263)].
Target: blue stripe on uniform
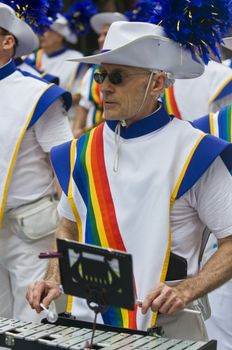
[(49, 96), (207, 151), (226, 91), (60, 158), (202, 124)]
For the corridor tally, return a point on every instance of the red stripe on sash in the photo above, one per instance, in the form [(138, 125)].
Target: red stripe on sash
[(106, 202), (103, 191), (174, 108)]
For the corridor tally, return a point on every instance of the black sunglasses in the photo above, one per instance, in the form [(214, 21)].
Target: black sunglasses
[(115, 77)]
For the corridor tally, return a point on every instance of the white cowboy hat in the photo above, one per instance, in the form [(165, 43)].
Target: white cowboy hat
[(98, 20), (227, 42), (27, 41), (61, 26), (145, 45)]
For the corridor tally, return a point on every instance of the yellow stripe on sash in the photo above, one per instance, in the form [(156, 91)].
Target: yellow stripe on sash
[(164, 270), (43, 74), (93, 194), (219, 91), (211, 124), (172, 200), (70, 190), (69, 304), (125, 317), (176, 189), (74, 208), (13, 159)]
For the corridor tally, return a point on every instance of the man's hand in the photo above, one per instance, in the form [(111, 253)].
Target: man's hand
[(42, 292), (46, 290), (164, 299)]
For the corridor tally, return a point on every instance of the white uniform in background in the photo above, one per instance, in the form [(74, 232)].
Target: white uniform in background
[(30, 126), (91, 98), (209, 92), (219, 325), (69, 73)]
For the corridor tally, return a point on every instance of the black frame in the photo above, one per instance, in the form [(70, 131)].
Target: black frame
[(99, 275)]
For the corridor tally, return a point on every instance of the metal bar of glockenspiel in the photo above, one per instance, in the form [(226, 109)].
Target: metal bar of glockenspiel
[(43, 333), (124, 342), (63, 339), (31, 331)]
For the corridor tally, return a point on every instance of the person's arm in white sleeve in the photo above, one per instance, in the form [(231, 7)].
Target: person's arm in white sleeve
[(214, 207), (48, 289), (53, 127)]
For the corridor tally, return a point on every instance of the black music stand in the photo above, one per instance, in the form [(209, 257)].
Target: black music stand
[(101, 276)]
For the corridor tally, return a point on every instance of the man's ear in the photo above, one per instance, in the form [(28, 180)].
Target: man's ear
[(8, 42), (158, 83)]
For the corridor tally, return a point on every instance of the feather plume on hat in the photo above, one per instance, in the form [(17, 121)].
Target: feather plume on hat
[(55, 7), (198, 25), (79, 16), (38, 14)]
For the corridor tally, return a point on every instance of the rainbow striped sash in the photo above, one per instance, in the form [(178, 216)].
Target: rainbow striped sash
[(101, 222), (170, 103), (38, 59)]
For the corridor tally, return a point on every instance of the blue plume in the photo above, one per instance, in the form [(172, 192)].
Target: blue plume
[(142, 11), (55, 7), (198, 25), (34, 13), (79, 16)]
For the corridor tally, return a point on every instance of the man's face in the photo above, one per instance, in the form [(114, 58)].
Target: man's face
[(50, 39), (7, 45), (102, 35), (123, 101)]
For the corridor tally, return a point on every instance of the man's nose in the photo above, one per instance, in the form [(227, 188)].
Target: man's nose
[(106, 86)]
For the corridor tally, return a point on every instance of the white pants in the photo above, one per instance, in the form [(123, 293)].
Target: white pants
[(219, 326), (19, 266)]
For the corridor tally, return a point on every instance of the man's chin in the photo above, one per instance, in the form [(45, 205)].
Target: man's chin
[(107, 115), (110, 116)]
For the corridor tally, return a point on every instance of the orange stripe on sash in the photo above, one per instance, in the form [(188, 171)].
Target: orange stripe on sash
[(170, 102), (107, 209), (103, 192)]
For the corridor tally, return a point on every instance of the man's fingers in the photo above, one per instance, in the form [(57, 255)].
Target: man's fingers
[(164, 299), (147, 302), (171, 305), (39, 290), (52, 295), (35, 293), (42, 292)]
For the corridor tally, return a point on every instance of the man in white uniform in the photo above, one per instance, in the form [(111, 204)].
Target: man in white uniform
[(125, 178), (33, 119), (194, 98), (26, 66), (90, 109), (54, 55)]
